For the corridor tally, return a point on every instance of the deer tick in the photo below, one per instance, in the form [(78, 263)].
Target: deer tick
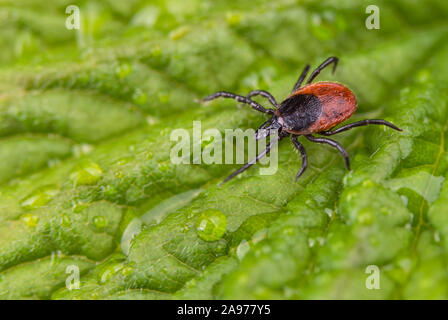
[(312, 109)]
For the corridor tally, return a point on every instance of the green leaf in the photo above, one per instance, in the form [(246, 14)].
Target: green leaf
[(86, 179)]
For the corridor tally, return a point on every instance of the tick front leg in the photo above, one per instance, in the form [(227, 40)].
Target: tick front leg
[(359, 124), (301, 78), (334, 144), (322, 66), (300, 147), (265, 94), (254, 160), (253, 104)]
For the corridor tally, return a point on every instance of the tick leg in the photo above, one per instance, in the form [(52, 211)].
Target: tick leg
[(300, 147), (253, 161), (259, 134), (322, 66), (359, 124), (332, 143), (263, 94), (301, 78), (253, 104)]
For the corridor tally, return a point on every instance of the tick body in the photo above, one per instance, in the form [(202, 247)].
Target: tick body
[(315, 108)]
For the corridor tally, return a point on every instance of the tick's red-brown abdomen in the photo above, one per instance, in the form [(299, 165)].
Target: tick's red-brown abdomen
[(338, 104)]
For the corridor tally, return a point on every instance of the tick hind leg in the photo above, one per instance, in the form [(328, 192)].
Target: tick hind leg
[(265, 94), (300, 147), (322, 66), (253, 161), (253, 104), (334, 144), (359, 124)]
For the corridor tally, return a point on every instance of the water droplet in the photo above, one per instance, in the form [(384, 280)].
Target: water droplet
[(87, 173), (211, 225), (39, 197), (30, 220), (99, 222), (132, 230)]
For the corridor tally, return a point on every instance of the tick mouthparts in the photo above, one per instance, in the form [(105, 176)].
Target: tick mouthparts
[(264, 132)]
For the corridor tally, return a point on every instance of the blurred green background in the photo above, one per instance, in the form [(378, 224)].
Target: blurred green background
[(85, 123)]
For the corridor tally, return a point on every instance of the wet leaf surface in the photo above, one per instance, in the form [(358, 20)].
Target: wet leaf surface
[(87, 181)]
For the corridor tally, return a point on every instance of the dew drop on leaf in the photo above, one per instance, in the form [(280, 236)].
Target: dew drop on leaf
[(211, 225), (39, 197), (99, 222), (87, 173)]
